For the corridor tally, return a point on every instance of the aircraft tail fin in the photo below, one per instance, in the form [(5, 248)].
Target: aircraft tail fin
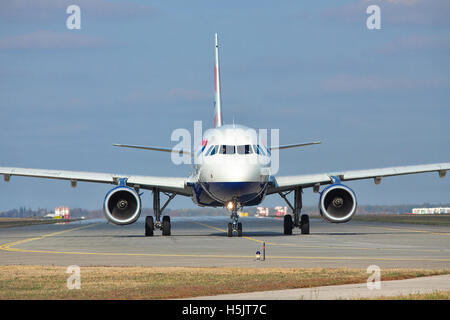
[(217, 103)]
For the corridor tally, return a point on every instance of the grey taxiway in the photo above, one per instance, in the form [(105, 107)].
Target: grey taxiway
[(202, 241)]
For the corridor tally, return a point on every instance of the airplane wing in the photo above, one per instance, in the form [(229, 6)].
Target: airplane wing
[(285, 183), (289, 146), (169, 184), (151, 148)]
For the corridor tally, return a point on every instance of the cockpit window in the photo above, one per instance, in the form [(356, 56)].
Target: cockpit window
[(259, 149), (227, 149), (209, 150), (214, 151), (240, 149), (244, 149)]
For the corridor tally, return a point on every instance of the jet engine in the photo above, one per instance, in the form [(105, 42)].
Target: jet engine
[(122, 205), (337, 203)]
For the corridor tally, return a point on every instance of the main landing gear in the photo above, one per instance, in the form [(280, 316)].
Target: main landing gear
[(234, 225), (151, 225), (299, 221)]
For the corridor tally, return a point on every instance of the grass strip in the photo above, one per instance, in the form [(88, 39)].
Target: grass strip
[(49, 282)]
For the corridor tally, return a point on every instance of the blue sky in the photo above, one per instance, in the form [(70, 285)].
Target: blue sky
[(137, 70)]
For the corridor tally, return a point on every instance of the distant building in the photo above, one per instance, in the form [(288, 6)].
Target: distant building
[(264, 212), (431, 211), (60, 213), (280, 211)]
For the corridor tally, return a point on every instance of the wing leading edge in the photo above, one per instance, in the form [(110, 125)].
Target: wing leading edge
[(151, 148), (171, 184), (284, 183)]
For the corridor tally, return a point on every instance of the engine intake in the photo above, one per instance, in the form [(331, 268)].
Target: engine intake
[(337, 203), (122, 205)]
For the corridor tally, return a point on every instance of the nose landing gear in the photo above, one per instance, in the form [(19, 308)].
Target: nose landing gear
[(234, 226)]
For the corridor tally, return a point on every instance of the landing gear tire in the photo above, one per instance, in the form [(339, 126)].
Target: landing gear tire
[(288, 224), (239, 229), (166, 226), (230, 230), (304, 224), (149, 226)]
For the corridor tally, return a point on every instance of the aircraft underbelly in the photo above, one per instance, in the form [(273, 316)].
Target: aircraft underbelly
[(244, 192)]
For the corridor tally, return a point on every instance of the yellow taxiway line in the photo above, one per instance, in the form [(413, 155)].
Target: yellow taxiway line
[(321, 247), (10, 248), (223, 230), (412, 230)]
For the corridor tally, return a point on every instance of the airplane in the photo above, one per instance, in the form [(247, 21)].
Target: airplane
[(231, 170)]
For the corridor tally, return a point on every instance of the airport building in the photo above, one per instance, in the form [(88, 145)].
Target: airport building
[(265, 212), (431, 211), (60, 213)]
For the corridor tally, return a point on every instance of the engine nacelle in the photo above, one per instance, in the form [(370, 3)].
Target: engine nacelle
[(337, 203), (122, 205)]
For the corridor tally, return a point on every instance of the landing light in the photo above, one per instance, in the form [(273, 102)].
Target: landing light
[(230, 205)]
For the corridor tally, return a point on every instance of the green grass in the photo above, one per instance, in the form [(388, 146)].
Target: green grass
[(49, 282)]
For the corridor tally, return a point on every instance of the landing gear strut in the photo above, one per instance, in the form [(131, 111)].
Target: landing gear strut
[(234, 225), (299, 220), (151, 225)]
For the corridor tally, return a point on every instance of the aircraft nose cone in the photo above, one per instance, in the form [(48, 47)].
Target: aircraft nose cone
[(235, 173)]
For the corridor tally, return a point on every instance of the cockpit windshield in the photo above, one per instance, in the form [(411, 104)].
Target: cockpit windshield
[(227, 149), (240, 149), (214, 151), (259, 149), (244, 149), (209, 150)]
